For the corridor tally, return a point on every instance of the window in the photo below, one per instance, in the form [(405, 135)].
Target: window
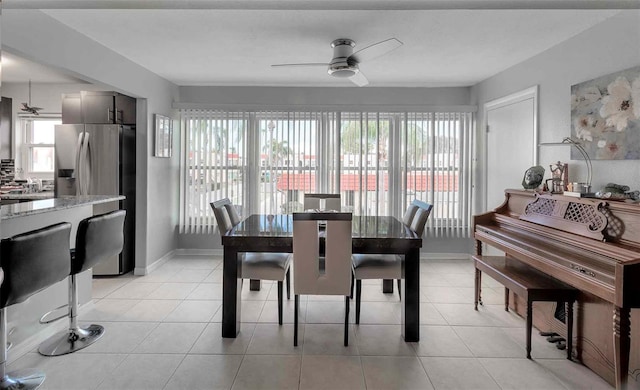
[(39, 136), (266, 161)]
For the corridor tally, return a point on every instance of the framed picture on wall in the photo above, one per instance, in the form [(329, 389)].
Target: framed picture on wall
[(164, 135)]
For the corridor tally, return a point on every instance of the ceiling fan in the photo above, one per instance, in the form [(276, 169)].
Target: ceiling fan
[(345, 63), (27, 107)]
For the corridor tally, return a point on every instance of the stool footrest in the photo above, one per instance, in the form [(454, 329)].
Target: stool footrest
[(43, 321)]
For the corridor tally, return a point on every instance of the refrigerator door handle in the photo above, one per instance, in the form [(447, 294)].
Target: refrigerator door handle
[(87, 164), (78, 171)]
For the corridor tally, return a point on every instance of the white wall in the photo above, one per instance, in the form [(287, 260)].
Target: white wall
[(40, 38), (340, 98), (608, 47)]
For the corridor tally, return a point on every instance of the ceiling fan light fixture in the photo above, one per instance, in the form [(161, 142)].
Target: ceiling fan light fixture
[(337, 70)]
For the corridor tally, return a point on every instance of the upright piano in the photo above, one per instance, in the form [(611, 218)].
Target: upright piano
[(591, 244)]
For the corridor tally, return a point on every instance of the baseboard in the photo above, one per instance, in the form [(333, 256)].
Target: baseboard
[(445, 256), (141, 271), (199, 252)]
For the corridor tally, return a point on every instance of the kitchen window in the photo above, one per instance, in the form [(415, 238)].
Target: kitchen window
[(39, 143)]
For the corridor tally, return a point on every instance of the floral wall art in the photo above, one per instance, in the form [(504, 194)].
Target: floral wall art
[(605, 116)]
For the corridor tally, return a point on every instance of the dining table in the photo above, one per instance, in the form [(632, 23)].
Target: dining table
[(274, 233)]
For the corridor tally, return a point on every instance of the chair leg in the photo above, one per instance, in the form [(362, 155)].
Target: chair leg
[(353, 280), (400, 289), (280, 302), (358, 299), (18, 379), (76, 337), (296, 304), (289, 284), (346, 321)]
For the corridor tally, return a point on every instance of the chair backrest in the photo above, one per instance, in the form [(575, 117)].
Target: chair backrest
[(420, 216), (312, 201), (33, 261), (408, 215), (99, 237), (223, 217), (307, 275)]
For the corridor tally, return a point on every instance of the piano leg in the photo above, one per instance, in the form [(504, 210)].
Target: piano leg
[(529, 326), (506, 299), (478, 286), (621, 345), (569, 316)]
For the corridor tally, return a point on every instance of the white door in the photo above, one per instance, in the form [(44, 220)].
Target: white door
[(511, 143)]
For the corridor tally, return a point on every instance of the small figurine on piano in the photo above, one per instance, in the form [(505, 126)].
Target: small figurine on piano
[(559, 177)]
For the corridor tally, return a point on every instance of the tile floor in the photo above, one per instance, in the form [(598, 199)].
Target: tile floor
[(163, 332)]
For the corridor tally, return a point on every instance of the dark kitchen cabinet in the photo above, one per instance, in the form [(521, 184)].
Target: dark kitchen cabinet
[(71, 108), (6, 128), (107, 107), (98, 107)]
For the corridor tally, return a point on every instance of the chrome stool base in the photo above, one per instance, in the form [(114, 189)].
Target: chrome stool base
[(71, 341), (25, 379)]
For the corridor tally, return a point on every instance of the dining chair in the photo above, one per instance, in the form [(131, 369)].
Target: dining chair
[(255, 265), (317, 271), (383, 266), (332, 201)]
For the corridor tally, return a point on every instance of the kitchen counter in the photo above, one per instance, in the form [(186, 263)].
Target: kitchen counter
[(54, 204), (28, 196)]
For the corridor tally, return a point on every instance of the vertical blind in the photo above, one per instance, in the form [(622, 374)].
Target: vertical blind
[(265, 161)]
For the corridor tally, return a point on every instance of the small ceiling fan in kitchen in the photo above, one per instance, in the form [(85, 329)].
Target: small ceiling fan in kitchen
[(27, 107), (345, 63)]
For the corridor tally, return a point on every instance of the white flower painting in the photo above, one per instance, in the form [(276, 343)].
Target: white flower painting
[(605, 116)]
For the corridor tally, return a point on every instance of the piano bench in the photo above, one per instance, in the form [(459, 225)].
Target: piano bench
[(528, 283)]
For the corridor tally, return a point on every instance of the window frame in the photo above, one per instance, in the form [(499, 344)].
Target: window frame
[(330, 162), (28, 146)]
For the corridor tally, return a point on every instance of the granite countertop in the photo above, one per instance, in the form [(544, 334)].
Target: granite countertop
[(29, 196), (54, 204)]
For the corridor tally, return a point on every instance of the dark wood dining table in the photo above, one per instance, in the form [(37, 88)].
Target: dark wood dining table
[(274, 233)]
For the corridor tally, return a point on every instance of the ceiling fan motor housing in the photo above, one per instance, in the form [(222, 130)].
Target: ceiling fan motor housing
[(340, 66)]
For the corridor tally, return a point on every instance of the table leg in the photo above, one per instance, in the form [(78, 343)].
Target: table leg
[(231, 294), (621, 345), (411, 295), (387, 286)]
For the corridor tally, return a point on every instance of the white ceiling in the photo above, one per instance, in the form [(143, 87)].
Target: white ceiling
[(454, 47)]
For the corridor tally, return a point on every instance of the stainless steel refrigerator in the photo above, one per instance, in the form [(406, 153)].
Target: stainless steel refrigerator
[(100, 160)]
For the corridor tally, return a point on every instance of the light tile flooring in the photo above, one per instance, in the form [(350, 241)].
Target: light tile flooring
[(163, 332)]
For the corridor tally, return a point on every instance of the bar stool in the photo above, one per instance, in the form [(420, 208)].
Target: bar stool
[(31, 262), (99, 238)]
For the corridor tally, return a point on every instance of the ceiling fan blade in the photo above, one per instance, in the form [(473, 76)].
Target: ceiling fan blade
[(303, 64), (376, 50), (359, 79)]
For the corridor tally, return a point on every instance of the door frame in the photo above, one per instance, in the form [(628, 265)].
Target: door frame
[(516, 97)]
